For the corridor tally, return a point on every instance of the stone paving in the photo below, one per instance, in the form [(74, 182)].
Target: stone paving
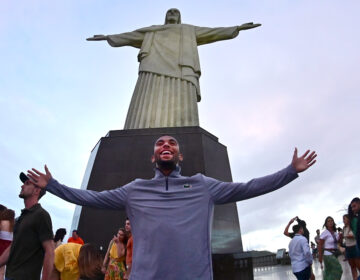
[(283, 272)]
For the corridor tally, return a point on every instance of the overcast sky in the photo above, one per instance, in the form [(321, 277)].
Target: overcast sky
[(292, 82)]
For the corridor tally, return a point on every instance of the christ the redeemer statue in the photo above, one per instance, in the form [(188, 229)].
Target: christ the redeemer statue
[(167, 90)]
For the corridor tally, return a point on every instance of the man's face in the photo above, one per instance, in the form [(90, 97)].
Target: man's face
[(355, 207), (28, 189), (127, 226), (166, 152), (318, 232), (75, 235), (172, 16)]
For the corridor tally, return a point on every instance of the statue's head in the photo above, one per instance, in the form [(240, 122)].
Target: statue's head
[(173, 16)]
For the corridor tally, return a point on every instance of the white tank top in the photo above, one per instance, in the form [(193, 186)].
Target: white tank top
[(5, 235)]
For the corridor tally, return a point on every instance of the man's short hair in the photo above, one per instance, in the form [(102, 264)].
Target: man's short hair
[(296, 228), (75, 230), (168, 136), (42, 192)]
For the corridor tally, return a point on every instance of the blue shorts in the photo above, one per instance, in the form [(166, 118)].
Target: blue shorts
[(304, 274), (352, 252)]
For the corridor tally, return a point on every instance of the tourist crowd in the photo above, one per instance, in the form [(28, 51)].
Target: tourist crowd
[(29, 250), (73, 260), (328, 246)]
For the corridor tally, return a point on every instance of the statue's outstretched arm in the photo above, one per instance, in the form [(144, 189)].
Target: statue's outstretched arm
[(97, 38), (247, 26), (207, 35), (133, 39)]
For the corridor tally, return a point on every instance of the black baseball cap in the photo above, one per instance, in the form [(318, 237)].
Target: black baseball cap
[(23, 177)]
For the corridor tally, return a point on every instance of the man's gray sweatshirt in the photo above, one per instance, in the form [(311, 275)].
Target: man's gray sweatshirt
[(171, 217)]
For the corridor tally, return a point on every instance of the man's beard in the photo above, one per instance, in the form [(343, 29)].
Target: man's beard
[(166, 165), (22, 195)]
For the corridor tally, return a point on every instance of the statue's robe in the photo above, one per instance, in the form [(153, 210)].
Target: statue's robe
[(167, 90)]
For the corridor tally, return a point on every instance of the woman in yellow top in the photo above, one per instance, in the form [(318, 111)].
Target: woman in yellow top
[(66, 261), (115, 255), (74, 260)]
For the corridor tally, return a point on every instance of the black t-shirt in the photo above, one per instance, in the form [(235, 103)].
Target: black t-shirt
[(27, 253)]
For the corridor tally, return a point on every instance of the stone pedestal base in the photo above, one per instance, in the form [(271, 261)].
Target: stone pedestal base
[(232, 267)]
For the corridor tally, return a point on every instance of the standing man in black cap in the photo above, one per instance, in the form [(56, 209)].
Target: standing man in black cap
[(33, 247)]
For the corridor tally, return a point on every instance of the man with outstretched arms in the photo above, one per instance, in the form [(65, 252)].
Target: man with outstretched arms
[(171, 214)]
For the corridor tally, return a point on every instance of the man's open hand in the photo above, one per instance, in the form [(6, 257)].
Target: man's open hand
[(38, 178), (304, 162)]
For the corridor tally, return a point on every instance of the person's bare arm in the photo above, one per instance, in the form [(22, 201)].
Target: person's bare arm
[(286, 230), (55, 274), (5, 256), (106, 258), (48, 264), (128, 271)]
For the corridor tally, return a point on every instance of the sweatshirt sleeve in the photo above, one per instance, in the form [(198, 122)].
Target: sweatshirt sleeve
[(225, 192), (112, 199)]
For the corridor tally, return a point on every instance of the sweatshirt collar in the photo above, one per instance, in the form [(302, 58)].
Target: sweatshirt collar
[(175, 173)]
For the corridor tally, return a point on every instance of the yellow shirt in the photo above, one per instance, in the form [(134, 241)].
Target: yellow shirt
[(66, 256), (114, 252)]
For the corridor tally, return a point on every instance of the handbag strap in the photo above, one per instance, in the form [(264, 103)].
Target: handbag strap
[(334, 237)]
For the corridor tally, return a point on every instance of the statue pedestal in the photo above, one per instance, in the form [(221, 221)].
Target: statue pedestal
[(123, 155)]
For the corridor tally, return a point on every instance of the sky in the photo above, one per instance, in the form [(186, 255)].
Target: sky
[(293, 82)]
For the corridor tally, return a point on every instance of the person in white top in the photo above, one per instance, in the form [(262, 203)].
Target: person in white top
[(300, 254), (7, 219), (351, 251), (329, 239)]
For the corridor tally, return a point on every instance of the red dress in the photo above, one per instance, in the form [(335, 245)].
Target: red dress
[(5, 240)]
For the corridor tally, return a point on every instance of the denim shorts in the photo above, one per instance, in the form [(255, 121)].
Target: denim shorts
[(352, 252)]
